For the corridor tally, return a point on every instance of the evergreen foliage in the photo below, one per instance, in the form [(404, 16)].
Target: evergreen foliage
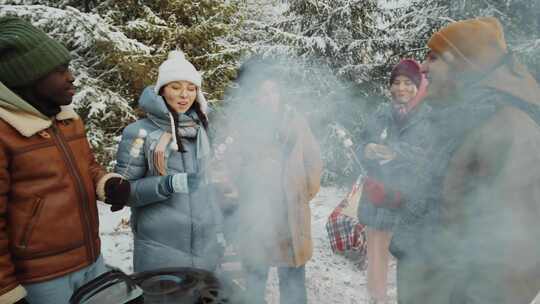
[(117, 51), (101, 103), (520, 18), (195, 27), (344, 50), (340, 52)]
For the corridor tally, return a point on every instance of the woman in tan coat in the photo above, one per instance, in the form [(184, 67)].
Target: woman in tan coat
[(275, 165)]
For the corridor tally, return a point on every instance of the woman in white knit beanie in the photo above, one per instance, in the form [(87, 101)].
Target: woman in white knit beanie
[(180, 85), (165, 157)]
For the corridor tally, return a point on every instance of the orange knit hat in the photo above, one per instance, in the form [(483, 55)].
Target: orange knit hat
[(470, 45)]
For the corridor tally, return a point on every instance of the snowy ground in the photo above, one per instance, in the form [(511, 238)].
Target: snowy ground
[(330, 278)]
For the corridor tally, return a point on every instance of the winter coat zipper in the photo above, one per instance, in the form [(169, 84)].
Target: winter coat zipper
[(67, 154)]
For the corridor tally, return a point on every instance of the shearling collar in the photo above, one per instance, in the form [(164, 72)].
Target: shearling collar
[(22, 116), (29, 124)]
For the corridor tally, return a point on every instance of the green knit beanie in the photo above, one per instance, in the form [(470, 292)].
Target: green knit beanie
[(27, 53)]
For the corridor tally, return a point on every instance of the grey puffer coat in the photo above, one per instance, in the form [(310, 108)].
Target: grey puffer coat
[(177, 230)]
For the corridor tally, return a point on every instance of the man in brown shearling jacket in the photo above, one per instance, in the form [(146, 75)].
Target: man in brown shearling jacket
[(49, 237)]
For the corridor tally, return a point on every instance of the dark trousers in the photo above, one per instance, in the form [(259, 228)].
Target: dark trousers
[(292, 284)]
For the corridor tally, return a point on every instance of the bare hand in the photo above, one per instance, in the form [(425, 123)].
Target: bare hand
[(159, 153)]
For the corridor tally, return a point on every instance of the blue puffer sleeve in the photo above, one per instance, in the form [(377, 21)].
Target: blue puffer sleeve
[(132, 164)]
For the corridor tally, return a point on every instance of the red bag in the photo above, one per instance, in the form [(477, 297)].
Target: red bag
[(347, 236)]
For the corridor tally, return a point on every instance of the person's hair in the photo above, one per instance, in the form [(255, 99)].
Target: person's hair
[(202, 117), (196, 106), (257, 69), (409, 68)]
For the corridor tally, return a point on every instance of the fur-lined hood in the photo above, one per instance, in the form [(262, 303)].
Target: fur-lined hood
[(22, 116)]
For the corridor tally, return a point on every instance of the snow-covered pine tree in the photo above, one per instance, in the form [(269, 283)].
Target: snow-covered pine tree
[(117, 50), (101, 103), (198, 28), (407, 26), (255, 31), (335, 46), (520, 18), (345, 50)]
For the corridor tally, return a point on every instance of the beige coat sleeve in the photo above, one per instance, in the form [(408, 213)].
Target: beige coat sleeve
[(312, 159)]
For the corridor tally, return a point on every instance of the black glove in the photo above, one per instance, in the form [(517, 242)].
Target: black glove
[(22, 301), (117, 192)]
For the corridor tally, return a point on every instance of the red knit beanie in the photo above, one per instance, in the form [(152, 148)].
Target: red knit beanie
[(409, 68)]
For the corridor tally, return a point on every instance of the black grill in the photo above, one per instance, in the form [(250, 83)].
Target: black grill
[(162, 286), (184, 285)]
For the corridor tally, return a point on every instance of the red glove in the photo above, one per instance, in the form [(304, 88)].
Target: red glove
[(379, 196), (374, 191)]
